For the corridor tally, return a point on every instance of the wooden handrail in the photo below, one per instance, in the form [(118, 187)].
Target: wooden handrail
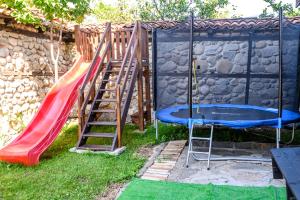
[(118, 112), (132, 82), (132, 43), (95, 65), (128, 71), (93, 82), (120, 89), (127, 53), (92, 65)]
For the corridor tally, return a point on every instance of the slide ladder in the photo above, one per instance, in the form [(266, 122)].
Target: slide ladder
[(112, 98)]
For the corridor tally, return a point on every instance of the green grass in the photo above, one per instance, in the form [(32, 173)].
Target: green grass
[(65, 175), (170, 132), (152, 190)]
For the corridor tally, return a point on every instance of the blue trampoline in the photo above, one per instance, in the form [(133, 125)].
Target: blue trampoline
[(230, 115), (199, 81)]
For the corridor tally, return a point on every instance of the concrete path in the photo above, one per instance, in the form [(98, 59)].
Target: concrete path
[(224, 172)]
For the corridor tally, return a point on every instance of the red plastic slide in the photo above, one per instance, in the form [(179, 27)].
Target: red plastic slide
[(49, 119)]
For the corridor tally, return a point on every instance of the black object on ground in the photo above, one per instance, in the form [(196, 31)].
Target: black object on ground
[(285, 163)]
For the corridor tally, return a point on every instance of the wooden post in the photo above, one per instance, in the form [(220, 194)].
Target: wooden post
[(147, 77), (119, 128), (140, 77), (108, 41), (113, 51), (118, 55), (77, 38), (93, 92), (123, 43)]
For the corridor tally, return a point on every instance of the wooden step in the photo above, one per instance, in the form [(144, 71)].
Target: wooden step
[(104, 111), (117, 71), (113, 71), (110, 80), (104, 123), (95, 147), (107, 90), (116, 63), (106, 100), (99, 135)]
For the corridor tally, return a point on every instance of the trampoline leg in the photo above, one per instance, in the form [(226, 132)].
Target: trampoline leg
[(156, 128), (278, 136), (210, 146), (190, 145)]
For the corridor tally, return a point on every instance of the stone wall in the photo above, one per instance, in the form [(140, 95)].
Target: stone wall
[(26, 75), (221, 68)]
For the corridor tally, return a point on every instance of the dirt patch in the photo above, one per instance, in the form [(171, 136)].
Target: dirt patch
[(111, 192), (145, 151)]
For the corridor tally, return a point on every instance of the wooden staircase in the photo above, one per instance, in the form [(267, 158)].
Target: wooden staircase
[(110, 92)]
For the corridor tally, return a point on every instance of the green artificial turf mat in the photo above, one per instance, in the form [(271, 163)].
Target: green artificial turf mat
[(145, 189)]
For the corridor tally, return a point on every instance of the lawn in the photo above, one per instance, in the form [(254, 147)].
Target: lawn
[(65, 175)]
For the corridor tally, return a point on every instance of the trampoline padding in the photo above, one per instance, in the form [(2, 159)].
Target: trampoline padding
[(230, 115)]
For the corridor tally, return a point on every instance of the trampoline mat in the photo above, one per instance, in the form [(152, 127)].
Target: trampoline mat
[(228, 113)]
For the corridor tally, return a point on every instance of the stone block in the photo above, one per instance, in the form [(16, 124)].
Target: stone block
[(237, 69), (211, 50), (224, 66), (272, 68), (198, 49), (229, 55), (4, 52), (210, 81), (169, 66), (231, 47), (204, 90), (202, 65), (269, 51), (13, 41), (241, 59), (260, 44), (2, 62)]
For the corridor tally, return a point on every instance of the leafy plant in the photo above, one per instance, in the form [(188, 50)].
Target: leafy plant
[(273, 8), (120, 13), (50, 13), (150, 10)]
